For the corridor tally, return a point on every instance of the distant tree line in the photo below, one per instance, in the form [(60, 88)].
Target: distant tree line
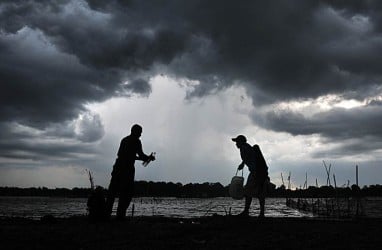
[(195, 190), (43, 191), (329, 191), (141, 189)]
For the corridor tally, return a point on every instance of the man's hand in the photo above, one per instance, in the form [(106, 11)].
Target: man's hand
[(152, 157), (149, 159), (241, 166)]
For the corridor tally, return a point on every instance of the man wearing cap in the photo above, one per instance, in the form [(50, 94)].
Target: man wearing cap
[(122, 177), (258, 176)]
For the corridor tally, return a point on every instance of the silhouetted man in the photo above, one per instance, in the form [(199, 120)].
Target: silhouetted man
[(122, 177), (258, 176)]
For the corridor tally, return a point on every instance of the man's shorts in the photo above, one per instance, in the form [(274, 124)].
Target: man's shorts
[(122, 181), (256, 186)]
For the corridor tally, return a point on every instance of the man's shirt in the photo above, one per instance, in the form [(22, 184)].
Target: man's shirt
[(248, 156), (129, 149), (254, 159)]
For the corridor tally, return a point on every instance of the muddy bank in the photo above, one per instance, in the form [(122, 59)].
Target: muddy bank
[(215, 232)]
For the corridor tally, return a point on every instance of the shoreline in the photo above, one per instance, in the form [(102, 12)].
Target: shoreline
[(212, 232)]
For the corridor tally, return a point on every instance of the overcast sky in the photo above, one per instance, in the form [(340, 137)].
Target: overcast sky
[(303, 79)]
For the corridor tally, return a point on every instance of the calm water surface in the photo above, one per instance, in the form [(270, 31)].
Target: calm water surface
[(35, 207)]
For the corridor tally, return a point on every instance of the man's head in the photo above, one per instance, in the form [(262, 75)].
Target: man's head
[(136, 130), (240, 140)]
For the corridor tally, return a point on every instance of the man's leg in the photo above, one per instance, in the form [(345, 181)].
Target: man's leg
[(111, 196), (123, 204), (262, 194), (248, 201), (249, 191), (126, 195), (262, 206)]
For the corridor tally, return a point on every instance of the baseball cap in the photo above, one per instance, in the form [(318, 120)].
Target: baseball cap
[(240, 138)]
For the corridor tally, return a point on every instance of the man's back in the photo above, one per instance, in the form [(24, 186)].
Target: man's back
[(248, 156), (129, 148), (261, 165), (253, 158)]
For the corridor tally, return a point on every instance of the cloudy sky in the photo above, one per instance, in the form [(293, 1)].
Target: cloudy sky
[(303, 79)]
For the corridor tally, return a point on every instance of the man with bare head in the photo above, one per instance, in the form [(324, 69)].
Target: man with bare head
[(122, 180)]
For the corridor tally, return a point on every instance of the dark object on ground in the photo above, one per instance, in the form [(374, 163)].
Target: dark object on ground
[(97, 205)]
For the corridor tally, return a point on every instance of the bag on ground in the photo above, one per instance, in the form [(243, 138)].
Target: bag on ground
[(97, 205)]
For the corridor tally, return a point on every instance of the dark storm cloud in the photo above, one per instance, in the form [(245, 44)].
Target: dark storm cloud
[(279, 50), (337, 123), (68, 140), (363, 146), (60, 58), (56, 56), (358, 129), (41, 151)]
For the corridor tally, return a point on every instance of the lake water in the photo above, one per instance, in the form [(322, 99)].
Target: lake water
[(35, 207)]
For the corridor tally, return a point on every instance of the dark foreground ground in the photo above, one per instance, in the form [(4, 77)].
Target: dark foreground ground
[(216, 232)]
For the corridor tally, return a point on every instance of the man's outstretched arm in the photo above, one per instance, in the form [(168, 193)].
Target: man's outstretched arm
[(142, 156)]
